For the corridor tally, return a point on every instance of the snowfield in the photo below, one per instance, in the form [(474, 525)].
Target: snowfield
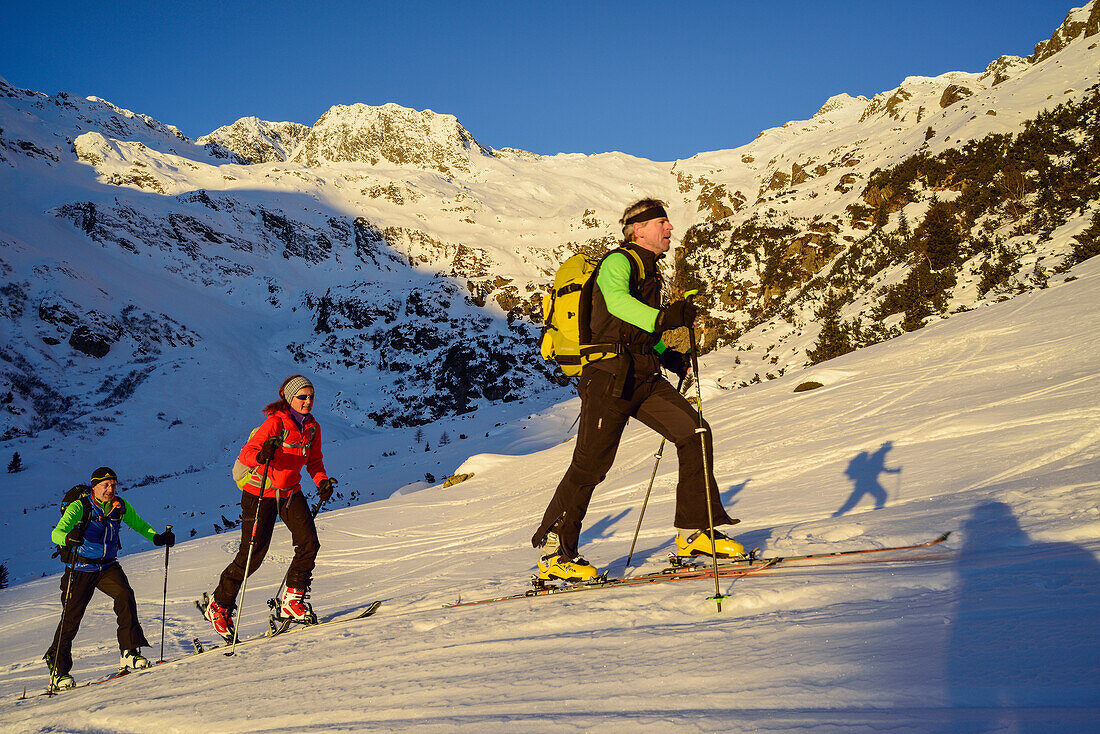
[(986, 425)]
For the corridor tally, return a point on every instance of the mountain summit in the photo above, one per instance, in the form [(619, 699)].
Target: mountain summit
[(360, 133), (259, 141)]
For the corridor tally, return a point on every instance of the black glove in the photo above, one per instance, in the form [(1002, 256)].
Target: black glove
[(324, 489), (74, 538), (167, 538), (267, 450), (675, 362), (675, 315)]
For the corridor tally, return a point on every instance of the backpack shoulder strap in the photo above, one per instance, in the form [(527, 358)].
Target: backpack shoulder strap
[(637, 266), (86, 517)]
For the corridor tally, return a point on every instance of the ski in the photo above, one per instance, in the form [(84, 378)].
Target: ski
[(116, 675), (602, 582), (277, 624), (752, 559), (730, 568), (280, 625), (51, 691)]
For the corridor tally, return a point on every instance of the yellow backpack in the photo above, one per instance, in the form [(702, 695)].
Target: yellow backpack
[(242, 473), (566, 331)]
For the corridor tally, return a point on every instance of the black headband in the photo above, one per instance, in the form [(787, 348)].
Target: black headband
[(654, 212)]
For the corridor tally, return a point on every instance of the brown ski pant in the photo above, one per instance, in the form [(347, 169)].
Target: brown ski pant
[(295, 513), (654, 402)]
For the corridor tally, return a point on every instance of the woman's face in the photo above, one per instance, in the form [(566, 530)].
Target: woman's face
[(302, 401)]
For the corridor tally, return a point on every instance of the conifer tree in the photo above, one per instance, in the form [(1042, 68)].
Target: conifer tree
[(833, 340), (939, 235), (1087, 243)]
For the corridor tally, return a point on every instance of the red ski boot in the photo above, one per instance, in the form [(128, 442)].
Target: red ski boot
[(220, 617), (294, 606)]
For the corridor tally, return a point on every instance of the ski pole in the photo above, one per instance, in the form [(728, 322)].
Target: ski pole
[(61, 627), (164, 599), (657, 456), (706, 469), (248, 558)]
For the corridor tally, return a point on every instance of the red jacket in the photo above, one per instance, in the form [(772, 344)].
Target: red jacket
[(299, 448)]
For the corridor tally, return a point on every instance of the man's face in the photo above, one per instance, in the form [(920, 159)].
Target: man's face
[(104, 491), (654, 235)]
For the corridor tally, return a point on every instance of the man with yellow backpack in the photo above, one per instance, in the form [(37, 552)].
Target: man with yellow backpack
[(618, 319)]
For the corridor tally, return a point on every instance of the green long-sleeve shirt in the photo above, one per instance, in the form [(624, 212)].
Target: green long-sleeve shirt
[(613, 280), (74, 513)]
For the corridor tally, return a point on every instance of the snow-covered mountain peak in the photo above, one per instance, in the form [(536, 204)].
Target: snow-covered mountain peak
[(47, 125), (841, 101), (259, 141), (516, 153), (918, 96), (7, 89), (361, 133), (1003, 68), (1079, 22)]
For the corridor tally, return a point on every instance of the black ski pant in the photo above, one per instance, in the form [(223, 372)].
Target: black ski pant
[(111, 581), (295, 512), (654, 402)]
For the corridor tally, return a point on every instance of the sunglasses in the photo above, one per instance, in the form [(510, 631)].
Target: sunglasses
[(303, 398)]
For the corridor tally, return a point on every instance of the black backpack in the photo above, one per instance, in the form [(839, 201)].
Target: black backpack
[(83, 493)]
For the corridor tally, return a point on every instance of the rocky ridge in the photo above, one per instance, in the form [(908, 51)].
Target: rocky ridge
[(258, 141), (393, 134)]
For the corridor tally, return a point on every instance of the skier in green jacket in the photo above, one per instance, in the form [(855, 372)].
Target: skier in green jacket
[(88, 533)]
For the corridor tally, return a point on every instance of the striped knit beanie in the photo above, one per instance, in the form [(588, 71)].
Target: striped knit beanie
[(291, 389)]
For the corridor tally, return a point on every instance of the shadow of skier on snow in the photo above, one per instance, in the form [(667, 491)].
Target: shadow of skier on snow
[(729, 494), (864, 471), (642, 555), (601, 528), (1023, 652)]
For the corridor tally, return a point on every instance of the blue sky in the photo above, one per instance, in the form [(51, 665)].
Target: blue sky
[(661, 80)]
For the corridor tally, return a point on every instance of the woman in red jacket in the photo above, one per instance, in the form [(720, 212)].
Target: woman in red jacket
[(288, 440)]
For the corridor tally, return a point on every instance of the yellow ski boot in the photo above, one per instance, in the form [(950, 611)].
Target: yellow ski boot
[(698, 544), (556, 568)]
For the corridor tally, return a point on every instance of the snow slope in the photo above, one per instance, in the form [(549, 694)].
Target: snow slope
[(987, 425)]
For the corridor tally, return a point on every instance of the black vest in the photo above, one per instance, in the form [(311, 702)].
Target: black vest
[(638, 344)]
